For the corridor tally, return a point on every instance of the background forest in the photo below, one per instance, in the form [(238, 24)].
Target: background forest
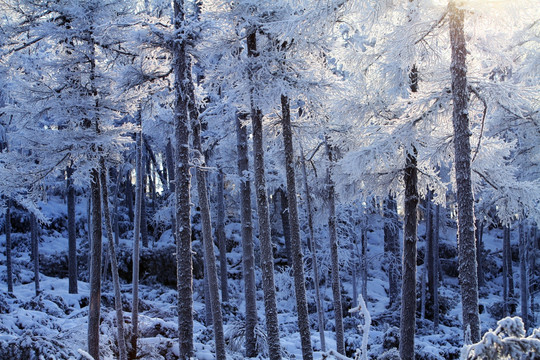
[(349, 179)]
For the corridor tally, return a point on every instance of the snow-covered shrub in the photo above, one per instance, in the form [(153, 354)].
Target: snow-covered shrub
[(30, 347), (506, 342), (391, 338), (392, 354), (235, 336)]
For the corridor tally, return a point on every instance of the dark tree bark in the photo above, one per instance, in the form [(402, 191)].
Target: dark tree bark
[(34, 229), (9, 259), (95, 267), (408, 287), (480, 252), (429, 242), (506, 245), (336, 283), (285, 223), (220, 232), (129, 196), (313, 249), (267, 257), (296, 246), (142, 189), (114, 264), (72, 236), (182, 190), (248, 257), (524, 279), (468, 276), (436, 266)]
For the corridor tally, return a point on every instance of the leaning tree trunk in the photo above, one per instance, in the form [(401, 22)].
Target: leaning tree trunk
[(182, 190), (336, 286), (9, 260), (220, 232), (314, 262), (95, 267), (72, 235), (408, 286), (267, 257), (465, 201), (296, 246), (136, 240), (204, 205), (248, 257), (114, 263)]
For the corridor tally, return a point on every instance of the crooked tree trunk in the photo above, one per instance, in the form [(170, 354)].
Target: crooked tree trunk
[(182, 188), (9, 260), (248, 257), (336, 285), (220, 232), (313, 249), (114, 263), (267, 257), (95, 267), (468, 276), (408, 287), (296, 246)]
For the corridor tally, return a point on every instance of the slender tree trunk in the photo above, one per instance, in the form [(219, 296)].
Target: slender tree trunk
[(532, 270), (220, 232), (524, 281), (480, 252), (115, 208), (364, 264), (129, 196), (336, 285), (35, 247), (267, 257), (285, 223), (137, 240), (423, 276), (72, 236), (429, 242), (114, 263), (9, 259), (510, 267), (182, 190), (142, 189), (296, 246), (210, 257), (248, 257), (468, 276), (95, 267), (170, 165), (408, 287), (313, 249), (391, 244), (436, 266), (506, 242)]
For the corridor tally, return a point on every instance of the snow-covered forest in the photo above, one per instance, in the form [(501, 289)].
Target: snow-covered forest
[(269, 179)]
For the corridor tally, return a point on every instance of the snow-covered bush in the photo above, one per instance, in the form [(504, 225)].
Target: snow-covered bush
[(235, 336), (506, 342)]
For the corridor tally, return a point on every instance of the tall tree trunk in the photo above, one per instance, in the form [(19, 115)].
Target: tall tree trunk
[(524, 281), (408, 287), (182, 188), (248, 257), (506, 245), (391, 248), (142, 189), (210, 257), (220, 232), (72, 236), (9, 259), (115, 208), (336, 285), (139, 174), (95, 267), (509, 262), (114, 263), (313, 249), (364, 263), (296, 246), (129, 196), (465, 201), (436, 266), (267, 257)]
